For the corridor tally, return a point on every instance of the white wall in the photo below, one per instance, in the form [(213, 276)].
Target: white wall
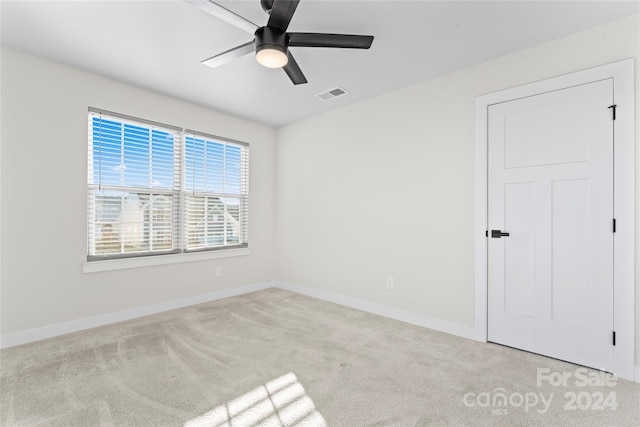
[(386, 187), (44, 152)]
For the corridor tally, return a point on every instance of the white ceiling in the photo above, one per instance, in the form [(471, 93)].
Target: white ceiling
[(158, 45)]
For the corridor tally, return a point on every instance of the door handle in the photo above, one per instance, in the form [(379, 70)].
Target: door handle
[(496, 234)]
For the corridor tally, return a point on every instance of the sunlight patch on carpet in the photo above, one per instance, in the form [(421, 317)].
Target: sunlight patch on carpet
[(280, 402)]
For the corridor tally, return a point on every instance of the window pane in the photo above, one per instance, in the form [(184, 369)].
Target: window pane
[(213, 222), (194, 153), (196, 224), (107, 151), (162, 160), (212, 166), (233, 168), (125, 155), (128, 222), (108, 206), (135, 166), (216, 193), (159, 222), (132, 156)]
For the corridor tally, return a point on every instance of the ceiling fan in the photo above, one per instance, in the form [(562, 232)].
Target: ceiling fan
[(271, 43)]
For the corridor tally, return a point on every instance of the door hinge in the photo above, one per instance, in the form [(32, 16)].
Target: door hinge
[(614, 337), (613, 108), (614, 225)]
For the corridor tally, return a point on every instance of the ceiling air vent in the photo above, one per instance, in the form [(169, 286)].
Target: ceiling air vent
[(333, 93)]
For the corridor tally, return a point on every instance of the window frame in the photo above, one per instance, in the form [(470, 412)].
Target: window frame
[(179, 252)]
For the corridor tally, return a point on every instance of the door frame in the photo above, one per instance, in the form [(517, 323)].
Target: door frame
[(622, 73)]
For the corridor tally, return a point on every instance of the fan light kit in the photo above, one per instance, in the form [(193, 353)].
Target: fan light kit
[(271, 43), (271, 58)]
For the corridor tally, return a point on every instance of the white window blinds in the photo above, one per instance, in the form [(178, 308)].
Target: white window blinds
[(216, 192), (155, 189)]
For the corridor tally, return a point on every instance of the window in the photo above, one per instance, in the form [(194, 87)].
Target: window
[(216, 188), (158, 189)]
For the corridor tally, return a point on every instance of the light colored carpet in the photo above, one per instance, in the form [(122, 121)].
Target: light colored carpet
[(279, 358)]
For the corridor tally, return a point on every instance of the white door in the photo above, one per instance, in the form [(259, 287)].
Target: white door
[(550, 172)]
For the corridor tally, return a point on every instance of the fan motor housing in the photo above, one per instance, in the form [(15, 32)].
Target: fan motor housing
[(271, 38)]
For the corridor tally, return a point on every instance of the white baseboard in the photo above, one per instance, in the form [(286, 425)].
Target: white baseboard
[(382, 310), (637, 375), (36, 334), (63, 328)]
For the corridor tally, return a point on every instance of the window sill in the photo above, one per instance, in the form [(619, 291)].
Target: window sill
[(120, 264)]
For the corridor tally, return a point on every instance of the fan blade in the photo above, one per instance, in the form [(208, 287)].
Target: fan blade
[(293, 71), (230, 55), (348, 41), (225, 14), (281, 13)]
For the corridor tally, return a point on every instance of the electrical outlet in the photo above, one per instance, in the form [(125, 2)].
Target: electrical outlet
[(390, 283), (218, 271)]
